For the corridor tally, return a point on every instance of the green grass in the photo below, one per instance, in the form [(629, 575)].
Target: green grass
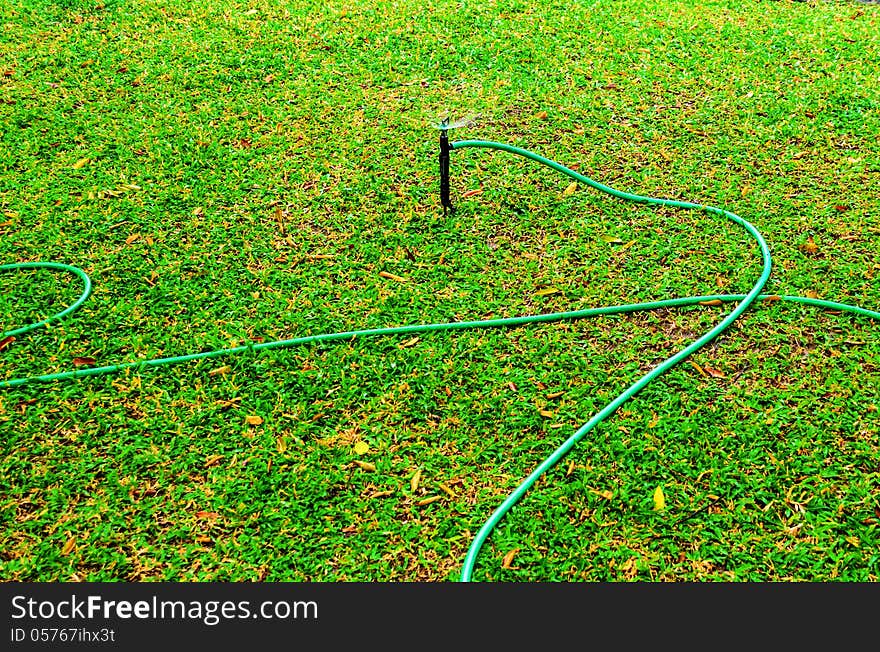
[(244, 172)]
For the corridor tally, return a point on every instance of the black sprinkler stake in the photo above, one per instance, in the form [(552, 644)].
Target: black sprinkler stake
[(444, 172)]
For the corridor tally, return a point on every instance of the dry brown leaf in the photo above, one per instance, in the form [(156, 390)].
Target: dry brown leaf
[(809, 247), (253, 420), (393, 277), (508, 558), (428, 501), (414, 481), (6, 341), (554, 395), (219, 371), (542, 115), (714, 372), (570, 468), (366, 466), (212, 460), (409, 343), (697, 367), (208, 516), (471, 193), (132, 238), (712, 302), (812, 294), (84, 361), (447, 490), (69, 546), (607, 495), (382, 494), (547, 414)]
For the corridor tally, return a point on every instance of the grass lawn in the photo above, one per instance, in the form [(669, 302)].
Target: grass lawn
[(247, 171)]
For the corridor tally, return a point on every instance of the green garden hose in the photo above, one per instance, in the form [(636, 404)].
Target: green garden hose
[(743, 303)]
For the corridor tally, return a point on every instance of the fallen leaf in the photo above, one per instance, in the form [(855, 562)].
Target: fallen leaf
[(812, 294), (508, 558), (366, 466), (840, 208), (253, 420), (547, 291), (712, 302), (610, 239), (69, 546), (428, 501), (554, 395), (542, 115), (208, 516), (281, 444), (547, 413), (714, 372), (809, 247), (81, 163), (659, 499), (361, 448), (6, 341), (132, 238), (219, 371), (409, 343), (607, 495), (471, 193), (447, 490), (212, 460), (570, 468), (414, 481), (83, 362), (382, 494), (198, 210), (697, 367), (393, 277), (570, 189), (203, 538)]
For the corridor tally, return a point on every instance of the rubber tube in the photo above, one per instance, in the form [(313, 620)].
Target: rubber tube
[(743, 302)]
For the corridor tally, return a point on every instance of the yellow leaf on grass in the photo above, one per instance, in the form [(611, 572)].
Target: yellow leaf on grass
[(366, 466), (414, 481), (361, 448), (547, 291), (409, 343), (611, 239), (607, 495), (570, 189), (253, 420), (447, 490), (132, 238), (508, 558), (659, 499), (80, 163), (69, 546), (393, 277)]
